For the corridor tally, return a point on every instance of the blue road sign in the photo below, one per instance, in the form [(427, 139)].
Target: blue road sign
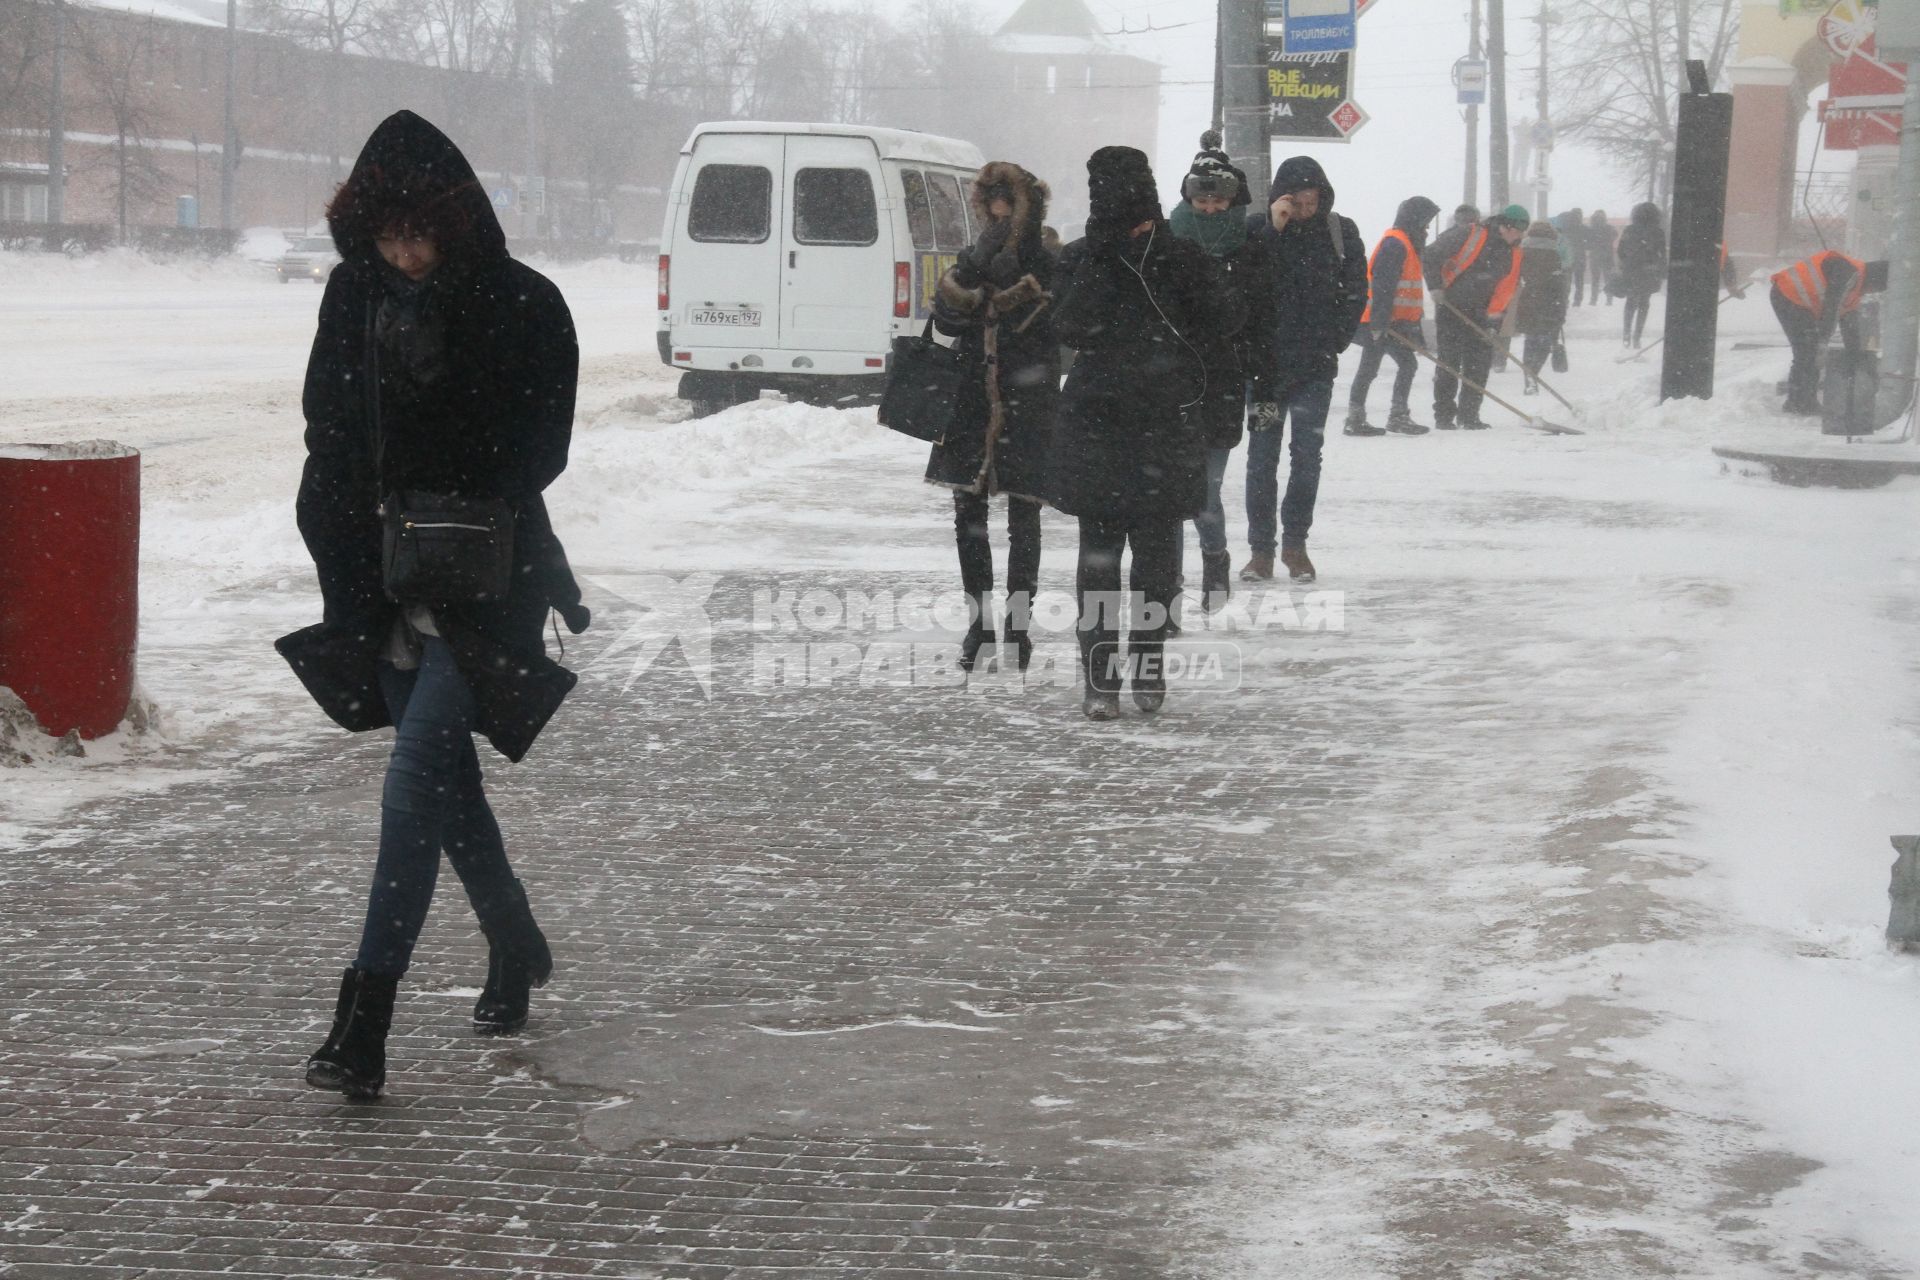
[(1320, 26), (503, 198)]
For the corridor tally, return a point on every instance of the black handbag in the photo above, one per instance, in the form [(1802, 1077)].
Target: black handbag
[(1559, 353), (445, 549), (436, 549), (923, 387)]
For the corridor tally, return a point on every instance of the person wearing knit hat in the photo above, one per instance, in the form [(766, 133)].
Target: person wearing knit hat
[(1472, 276), (1312, 290), (1140, 307), (1209, 214)]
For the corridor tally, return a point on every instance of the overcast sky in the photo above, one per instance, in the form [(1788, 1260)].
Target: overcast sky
[(1415, 143)]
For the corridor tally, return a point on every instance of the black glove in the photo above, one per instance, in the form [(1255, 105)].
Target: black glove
[(977, 261)]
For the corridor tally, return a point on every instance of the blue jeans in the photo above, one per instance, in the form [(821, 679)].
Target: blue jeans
[(432, 800), (1306, 404), (1211, 524)]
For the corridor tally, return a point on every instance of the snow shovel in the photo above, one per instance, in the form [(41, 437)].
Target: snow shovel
[(1500, 349), (1530, 419)]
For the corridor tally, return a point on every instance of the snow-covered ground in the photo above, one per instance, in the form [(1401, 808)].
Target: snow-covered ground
[(1752, 656)]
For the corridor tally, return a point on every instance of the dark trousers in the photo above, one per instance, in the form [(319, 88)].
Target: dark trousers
[(433, 801), (1466, 352), (1536, 351), (1579, 277), (1376, 347), (1152, 580), (970, 515), (1803, 334), (1633, 321), (1305, 405)]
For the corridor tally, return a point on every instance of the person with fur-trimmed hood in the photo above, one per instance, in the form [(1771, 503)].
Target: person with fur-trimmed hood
[(1210, 213), (1139, 306), (995, 299), (441, 368)]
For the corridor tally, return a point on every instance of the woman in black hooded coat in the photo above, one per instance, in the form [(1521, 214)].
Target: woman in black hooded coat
[(440, 366), (1140, 307), (996, 297)]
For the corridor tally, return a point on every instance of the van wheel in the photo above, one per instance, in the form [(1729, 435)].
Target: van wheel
[(711, 393)]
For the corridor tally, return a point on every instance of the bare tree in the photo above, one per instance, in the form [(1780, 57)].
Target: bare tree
[(26, 44), (336, 27), (112, 48), (592, 113), (1623, 74)]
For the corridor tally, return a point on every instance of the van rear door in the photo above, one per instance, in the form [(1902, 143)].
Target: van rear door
[(726, 262), (837, 292)]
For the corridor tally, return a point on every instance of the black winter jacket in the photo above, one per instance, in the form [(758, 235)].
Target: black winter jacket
[(1472, 292), (1313, 288), (1642, 253), (1130, 445), (996, 269), (496, 422)]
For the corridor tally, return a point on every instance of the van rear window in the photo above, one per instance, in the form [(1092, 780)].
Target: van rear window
[(732, 204), (949, 212), (834, 206), (919, 212)]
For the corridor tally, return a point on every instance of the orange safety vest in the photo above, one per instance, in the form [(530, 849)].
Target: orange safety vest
[(1410, 298), (1510, 285), (1469, 254), (1805, 283)]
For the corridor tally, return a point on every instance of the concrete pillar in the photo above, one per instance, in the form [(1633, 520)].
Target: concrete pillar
[(1767, 108)]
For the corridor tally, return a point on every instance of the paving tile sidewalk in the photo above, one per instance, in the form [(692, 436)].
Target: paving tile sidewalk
[(853, 982)]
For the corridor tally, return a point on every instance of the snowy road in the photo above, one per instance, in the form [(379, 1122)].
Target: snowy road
[(1527, 926)]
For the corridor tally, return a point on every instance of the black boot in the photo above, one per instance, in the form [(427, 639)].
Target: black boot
[(353, 1061), (518, 960), (1146, 669), (1216, 580), (979, 636), (1018, 642)]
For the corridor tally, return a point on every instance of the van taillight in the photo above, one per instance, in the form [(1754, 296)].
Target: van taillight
[(902, 290), (666, 277)]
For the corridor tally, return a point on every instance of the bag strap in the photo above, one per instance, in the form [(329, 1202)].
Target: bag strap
[(372, 360)]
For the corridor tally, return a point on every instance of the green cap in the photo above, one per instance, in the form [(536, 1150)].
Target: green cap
[(1516, 214)]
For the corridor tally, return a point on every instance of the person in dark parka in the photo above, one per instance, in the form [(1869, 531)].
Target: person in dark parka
[(1540, 310), (461, 363), (1600, 239), (1395, 308), (1314, 266), (1642, 259), (1211, 213), (995, 299), (1139, 306)]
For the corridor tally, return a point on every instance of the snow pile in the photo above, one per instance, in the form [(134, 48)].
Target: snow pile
[(68, 451)]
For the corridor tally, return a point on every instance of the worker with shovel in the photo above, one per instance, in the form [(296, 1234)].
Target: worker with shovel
[(1473, 273)]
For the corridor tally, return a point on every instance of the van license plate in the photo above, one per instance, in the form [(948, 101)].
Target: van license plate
[(729, 317)]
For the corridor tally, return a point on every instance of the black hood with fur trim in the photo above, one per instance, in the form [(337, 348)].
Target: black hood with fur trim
[(1027, 194), (410, 174)]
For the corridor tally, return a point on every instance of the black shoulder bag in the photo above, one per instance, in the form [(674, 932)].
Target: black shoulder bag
[(923, 387), (436, 549)]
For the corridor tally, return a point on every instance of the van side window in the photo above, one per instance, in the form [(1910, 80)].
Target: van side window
[(949, 212), (919, 212), (732, 204), (834, 206)]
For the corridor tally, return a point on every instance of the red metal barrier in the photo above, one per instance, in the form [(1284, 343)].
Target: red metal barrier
[(69, 581)]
